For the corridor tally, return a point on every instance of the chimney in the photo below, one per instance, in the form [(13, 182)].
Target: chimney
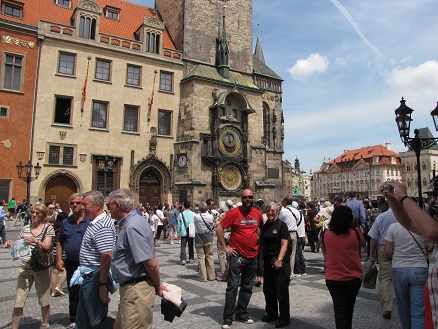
[(388, 146)]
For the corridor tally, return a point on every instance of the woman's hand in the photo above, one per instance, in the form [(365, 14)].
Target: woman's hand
[(278, 264), (7, 244), (30, 239)]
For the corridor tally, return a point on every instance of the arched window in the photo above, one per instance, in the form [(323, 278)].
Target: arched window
[(87, 27), (266, 125), (424, 182), (153, 42), (409, 183), (408, 167), (423, 166), (416, 182)]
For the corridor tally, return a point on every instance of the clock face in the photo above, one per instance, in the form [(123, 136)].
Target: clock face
[(230, 177), (230, 141), (182, 161)]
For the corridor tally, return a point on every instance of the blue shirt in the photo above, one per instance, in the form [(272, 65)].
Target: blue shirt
[(71, 235), (381, 225), (358, 210), (2, 214), (134, 245)]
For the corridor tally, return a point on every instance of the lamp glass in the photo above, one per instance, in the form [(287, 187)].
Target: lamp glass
[(37, 169), (434, 115), (403, 119), (29, 168), (19, 169)]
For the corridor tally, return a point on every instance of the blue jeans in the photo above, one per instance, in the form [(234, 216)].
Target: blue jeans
[(300, 263), (240, 270), (92, 313), (409, 285)]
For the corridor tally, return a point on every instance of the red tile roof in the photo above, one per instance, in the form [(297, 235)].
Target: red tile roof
[(367, 153), (131, 17)]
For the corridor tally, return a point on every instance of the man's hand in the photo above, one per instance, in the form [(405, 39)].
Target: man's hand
[(60, 264), (159, 290), (230, 251), (397, 194), (103, 294)]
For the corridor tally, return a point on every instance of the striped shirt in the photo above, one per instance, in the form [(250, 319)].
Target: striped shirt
[(26, 231), (99, 237)]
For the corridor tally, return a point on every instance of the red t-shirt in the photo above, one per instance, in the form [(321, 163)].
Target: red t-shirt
[(342, 256), (243, 230)]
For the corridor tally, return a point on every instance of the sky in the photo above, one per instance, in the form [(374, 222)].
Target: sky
[(346, 64)]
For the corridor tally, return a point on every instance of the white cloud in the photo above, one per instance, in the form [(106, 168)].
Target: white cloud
[(340, 61), (303, 68)]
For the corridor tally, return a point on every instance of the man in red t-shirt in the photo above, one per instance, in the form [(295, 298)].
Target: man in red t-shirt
[(244, 222)]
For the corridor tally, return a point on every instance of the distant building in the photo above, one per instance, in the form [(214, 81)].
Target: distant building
[(428, 166), (296, 182), (361, 170)]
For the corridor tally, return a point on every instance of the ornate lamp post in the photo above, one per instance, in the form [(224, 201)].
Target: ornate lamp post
[(403, 118), (27, 177)]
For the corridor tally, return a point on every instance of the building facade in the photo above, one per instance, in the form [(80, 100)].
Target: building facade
[(361, 170), (174, 111)]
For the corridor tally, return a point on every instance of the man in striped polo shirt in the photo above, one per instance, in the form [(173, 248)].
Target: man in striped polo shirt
[(95, 260)]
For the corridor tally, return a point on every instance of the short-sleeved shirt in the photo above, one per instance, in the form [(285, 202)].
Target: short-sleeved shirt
[(406, 251), (243, 230), (173, 216), (71, 235), (99, 237), (381, 225), (342, 256), (26, 231), (271, 235), (134, 245)]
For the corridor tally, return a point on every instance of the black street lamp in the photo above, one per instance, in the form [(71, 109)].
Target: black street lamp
[(403, 118), (28, 175)]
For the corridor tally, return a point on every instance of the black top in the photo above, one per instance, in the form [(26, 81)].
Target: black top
[(271, 235)]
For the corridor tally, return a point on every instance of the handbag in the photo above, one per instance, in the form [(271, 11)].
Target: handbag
[(40, 259), (190, 229)]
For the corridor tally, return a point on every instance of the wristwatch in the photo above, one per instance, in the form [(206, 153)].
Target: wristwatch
[(102, 283), (403, 198)]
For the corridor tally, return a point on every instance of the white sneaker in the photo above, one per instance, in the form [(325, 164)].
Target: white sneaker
[(171, 242), (296, 275)]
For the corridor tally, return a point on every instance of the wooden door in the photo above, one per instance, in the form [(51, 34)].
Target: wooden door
[(59, 188), (149, 188)]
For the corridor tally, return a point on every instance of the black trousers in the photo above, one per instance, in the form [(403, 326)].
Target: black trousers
[(344, 296), (73, 291), (276, 289)]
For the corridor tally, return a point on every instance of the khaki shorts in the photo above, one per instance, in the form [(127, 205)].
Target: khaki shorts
[(26, 278), (172, 228), (136, 305)]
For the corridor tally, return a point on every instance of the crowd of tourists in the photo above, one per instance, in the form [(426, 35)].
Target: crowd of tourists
[(99, 247)]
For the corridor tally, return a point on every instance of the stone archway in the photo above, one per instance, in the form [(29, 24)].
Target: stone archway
[(150, 181)]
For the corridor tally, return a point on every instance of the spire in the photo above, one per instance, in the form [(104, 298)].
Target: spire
[(223, 51), (297, 164), (258, 49)]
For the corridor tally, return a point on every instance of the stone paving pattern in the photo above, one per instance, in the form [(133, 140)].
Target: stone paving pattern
[(311, 305)]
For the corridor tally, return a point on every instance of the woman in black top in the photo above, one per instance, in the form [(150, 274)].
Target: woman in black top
[(276, 255)]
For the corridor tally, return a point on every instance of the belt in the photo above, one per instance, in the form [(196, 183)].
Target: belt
[(136, 280), (292, 231)]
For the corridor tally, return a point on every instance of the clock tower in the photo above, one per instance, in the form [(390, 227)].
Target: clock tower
[(230, 134)]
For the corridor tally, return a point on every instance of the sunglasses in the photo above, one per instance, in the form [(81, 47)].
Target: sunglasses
[(75, 202), (247, 197)]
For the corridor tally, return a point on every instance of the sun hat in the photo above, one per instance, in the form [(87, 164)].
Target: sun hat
[(226, 205)]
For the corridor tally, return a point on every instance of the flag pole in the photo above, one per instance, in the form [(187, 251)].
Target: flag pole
[(84, 90), (151, 100)]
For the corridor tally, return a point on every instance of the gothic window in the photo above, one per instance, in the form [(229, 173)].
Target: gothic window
[(87, 27), (106, 174), (266, 125), (408, 167), (153, 42), (424, 182), (63, 155), (423, 166)]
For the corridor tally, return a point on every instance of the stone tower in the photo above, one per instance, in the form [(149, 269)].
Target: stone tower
[(230, 124)]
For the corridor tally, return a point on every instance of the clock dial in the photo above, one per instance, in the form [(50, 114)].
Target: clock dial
[(182, 161), (230, 142), (230, 177)]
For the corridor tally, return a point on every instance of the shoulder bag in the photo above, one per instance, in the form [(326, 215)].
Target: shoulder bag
[(40, 259)]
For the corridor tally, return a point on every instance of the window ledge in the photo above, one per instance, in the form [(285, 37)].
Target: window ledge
[(59, 165), (71, 76), (165, 136), (166, 91), (61, 125), (130, 132), (133, 86), (12, 91), (103, 81), (99, 129)]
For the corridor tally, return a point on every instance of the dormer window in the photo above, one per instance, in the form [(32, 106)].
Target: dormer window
[(112, 13), (152, 42), (375, 159), (12, 9), (63, 3), (393, 161), (87, 27)]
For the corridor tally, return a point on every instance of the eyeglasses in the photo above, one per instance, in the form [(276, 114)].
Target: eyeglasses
[(247, 197), (75, 202), (35, 212)]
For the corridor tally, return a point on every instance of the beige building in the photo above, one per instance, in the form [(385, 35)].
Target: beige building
[(174, 111), (428, 167), (361, 170)]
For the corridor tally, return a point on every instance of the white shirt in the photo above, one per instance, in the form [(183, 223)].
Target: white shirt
[(286, 216)]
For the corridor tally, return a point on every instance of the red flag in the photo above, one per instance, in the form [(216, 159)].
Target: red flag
[(84, 91), (151, 100)]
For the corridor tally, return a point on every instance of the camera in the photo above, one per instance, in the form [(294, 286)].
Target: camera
[(388, 188)]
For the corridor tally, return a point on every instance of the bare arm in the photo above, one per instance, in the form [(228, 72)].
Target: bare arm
[(373, 247), (362, 241), (410, 215), (279, 263), (221, 239), (105, 263), (59, 261), (388, 249), (152, 269)]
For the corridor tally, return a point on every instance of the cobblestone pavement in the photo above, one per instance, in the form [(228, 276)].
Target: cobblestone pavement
[(311, 305)]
